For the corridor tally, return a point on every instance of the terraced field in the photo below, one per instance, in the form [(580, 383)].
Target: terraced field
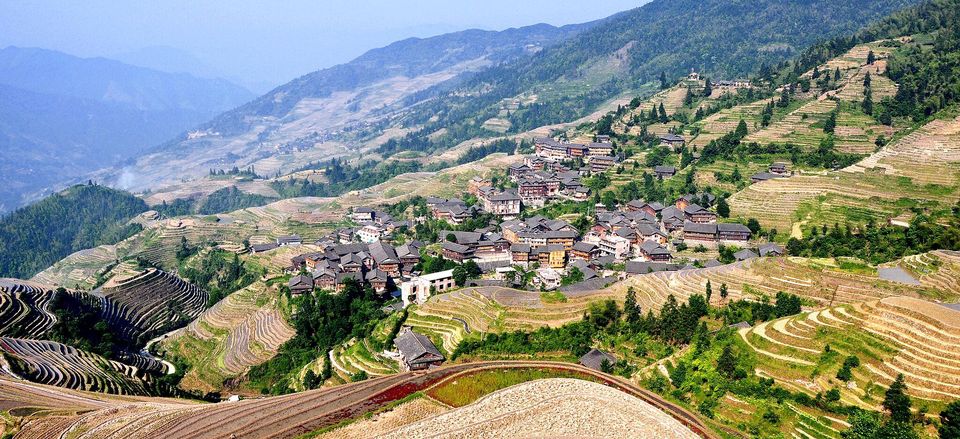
[(586, 408), (52, 363), (289, 415), (929, 155), (23, 309), (449, 318), (726, 120), (937, 270), (244, 329), (840, 197), (149, 303), (890, 336)]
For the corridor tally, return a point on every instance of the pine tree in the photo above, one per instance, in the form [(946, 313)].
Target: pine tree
[(663, 80), (723, 291), (867, 103), (723, 209), (727, 363), (871, 57), (836, 74), (784, 98), (741, 131), (631, 309), (896, 401), (950, 421), (707, 88), (663, 114), (688, 98), (709, 287), (867, 80), (830, 125)]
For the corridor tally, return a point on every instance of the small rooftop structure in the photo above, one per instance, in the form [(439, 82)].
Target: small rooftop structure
[(594, 359), (417, 352)]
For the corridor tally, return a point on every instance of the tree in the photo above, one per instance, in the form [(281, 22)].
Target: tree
[(709, 290), (867, 80), (679, 374), (830, 125), (784, 98), (833, 395), (573, 276), (451, 237), (871, 57), (753, 225), (688, 98), (606, 366), (727, 363), (950, 421), (896, 401), (663, 114), (309, 379), (867, 103), (707, 88), (663, 80), (741, 131), (723, 291), (631, 309)]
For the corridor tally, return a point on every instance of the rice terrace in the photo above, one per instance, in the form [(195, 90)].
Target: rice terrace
[(671, 219)]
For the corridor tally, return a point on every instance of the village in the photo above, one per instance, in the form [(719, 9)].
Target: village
[(520, 251)]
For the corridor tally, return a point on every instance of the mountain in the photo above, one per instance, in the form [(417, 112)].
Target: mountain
[(718, 38), (348, 103), (445, 90), (77, 218), (62, 116)]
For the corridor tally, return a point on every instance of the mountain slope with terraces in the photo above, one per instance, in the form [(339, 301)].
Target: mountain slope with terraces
[(890, 336), (921, 166), (449, 318), (48, 362), (149, 303)]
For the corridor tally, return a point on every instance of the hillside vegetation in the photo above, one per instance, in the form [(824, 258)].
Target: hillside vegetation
[(83, 216)]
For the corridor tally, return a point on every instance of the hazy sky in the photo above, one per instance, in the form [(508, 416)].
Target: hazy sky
[(269, 41)]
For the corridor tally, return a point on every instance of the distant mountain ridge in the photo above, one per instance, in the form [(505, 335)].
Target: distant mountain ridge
[(718, 38), (62, 116), (428, 90), (353, 96), (410, 57), (106, 80)]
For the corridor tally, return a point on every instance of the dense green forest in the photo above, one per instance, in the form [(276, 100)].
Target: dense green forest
[(83, 216)]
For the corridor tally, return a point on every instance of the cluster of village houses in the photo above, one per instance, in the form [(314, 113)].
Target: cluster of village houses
[(640, 235)]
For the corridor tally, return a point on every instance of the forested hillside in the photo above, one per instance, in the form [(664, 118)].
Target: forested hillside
[(723, 39), (83, 216)]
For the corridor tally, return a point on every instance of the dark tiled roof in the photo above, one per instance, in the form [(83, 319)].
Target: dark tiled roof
[(594, 359), (416, 347), (732, 227)]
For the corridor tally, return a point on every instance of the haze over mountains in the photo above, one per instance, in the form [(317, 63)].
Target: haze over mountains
[(62, 116), (444, 90)]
